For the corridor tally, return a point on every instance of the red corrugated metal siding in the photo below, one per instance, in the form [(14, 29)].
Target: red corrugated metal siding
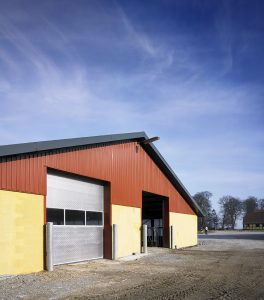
[(129, 171)]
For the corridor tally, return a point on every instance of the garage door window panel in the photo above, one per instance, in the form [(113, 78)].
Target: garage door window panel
[(74, 217), (56, 216), (94, 218)]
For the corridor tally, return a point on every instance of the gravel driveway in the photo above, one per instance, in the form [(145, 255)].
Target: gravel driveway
[(220, 267)]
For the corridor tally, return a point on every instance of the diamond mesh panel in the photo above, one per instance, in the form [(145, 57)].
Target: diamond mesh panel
[(76, 243)]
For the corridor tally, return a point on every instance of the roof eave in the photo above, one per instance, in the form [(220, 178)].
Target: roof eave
[(151, 149), (35, 147), (18, 149)]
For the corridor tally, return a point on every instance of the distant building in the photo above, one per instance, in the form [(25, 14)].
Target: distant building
[(254, 220)]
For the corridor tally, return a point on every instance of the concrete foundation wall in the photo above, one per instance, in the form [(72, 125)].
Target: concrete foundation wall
[(21, 233)]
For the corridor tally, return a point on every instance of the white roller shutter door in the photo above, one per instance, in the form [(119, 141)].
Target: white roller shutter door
[(68, 195)]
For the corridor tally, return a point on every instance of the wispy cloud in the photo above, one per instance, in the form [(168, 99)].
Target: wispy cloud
[(95, 70), (139, 39), (223, 23), (160, 55)]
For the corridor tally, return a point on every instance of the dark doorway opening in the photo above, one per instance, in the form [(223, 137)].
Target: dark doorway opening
[(155, 214)]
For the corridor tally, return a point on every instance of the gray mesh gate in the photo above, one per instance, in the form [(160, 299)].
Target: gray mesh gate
[(76, 243)]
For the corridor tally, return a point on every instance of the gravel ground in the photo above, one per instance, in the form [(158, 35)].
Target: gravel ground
[(223, 266)]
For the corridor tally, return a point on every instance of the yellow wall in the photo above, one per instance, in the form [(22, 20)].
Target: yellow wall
[(21, 232), (185, 229), (128, 220)]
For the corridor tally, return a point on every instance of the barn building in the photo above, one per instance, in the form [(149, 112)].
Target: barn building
[(85, 186), (254, 220)]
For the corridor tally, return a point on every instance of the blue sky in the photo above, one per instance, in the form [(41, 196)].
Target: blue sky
[(190, 72)]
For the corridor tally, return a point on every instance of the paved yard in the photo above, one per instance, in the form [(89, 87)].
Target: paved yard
[(225, 265)]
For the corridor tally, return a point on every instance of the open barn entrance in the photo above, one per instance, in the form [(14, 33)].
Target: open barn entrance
[(155, 214)]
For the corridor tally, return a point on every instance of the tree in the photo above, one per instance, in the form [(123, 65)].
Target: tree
[(203, 200), (214, 220), (231, 209), (250, 204), (260, 203)]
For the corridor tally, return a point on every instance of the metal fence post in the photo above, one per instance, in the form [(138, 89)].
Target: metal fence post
[(144, 238), (49, 247), (115, 240), (172, 236)]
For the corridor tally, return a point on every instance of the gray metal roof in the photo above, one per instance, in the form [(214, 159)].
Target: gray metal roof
[(18, 149)]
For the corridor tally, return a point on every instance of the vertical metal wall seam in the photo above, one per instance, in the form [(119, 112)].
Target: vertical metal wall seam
[(128, 170)]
